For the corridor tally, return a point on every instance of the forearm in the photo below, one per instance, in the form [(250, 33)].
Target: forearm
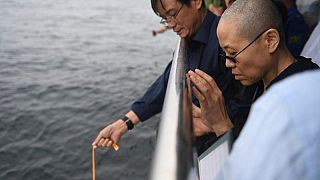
[(152, 101)]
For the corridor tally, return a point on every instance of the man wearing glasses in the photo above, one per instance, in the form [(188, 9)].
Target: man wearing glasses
[(192, 21)]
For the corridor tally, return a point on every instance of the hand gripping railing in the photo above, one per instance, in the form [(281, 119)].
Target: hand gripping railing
[(175, 155)]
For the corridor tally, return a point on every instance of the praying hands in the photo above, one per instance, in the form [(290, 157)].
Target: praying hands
[(212, 106)]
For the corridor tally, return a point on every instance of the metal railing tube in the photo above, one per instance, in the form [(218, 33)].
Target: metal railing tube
[(175, 156)]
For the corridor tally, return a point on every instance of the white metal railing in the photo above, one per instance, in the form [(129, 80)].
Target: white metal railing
[(175, 156)]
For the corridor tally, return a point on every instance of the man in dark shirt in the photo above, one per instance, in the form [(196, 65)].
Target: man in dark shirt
[(190, 20), (296, 30)]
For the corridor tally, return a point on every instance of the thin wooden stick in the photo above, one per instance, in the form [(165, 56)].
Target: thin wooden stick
[(93, 164), (115, 147)]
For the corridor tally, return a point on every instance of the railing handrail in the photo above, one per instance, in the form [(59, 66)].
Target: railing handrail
[(175, 155)]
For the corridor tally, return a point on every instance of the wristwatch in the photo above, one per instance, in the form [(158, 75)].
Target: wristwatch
[(128, 122)]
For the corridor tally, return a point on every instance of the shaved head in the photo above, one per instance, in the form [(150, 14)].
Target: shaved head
[(252, 17)]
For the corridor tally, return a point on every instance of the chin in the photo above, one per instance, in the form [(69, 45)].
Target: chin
[(184, 34), (246, 82)]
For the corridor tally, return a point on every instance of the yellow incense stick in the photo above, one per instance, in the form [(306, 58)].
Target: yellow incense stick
[(115, 147), (93, 164)]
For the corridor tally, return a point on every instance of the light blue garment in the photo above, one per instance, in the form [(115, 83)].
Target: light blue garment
[(281, 139), (312, 47)]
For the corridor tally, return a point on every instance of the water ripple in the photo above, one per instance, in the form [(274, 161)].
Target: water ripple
[(67, 69)]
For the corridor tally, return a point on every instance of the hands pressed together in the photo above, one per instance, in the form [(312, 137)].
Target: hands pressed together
[(213, 114), (200, 125)]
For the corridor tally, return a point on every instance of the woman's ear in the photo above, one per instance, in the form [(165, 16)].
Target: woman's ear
[(272, 40)]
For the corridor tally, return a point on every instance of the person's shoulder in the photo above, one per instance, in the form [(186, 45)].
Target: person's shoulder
[(297, 91), (214, 18), (286, 115), (306, 63), (304, 78), (214, 21)]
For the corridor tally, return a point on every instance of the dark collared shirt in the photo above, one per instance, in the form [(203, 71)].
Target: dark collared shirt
[(297, 31), (202, 53)]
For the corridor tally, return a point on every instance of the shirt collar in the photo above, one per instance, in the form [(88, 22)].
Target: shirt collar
[(203, 33), (300, 65)]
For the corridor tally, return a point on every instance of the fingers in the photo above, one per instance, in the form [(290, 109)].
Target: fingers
[(200, 127), (199, 82), (110, 134), (202, 89), (196, 111), (208, 79), (96, 141), (101, 141), (104, 142), (199, 95), (202, 124), (109, 143), (104, 137), (208, 89)]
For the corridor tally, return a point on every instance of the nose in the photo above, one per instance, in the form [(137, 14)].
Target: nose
[(172, 24), (230, 64)]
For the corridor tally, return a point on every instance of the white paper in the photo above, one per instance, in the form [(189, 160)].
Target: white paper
[(210, 165)]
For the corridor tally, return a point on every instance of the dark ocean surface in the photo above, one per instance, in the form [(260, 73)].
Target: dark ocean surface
[(67, 68)]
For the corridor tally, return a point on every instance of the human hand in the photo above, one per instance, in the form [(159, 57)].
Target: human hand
[(216, 10), (200, 126), (211, 100), (110, 134)]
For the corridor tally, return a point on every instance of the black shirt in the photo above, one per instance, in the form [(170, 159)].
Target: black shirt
[(301, 64)]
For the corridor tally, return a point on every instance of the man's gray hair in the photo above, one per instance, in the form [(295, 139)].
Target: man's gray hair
[(252, 17)]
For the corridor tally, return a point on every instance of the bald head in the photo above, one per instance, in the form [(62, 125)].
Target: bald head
[(251, 17)]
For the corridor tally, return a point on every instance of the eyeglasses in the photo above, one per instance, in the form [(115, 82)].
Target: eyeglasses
[(233, 58), (166, 21)]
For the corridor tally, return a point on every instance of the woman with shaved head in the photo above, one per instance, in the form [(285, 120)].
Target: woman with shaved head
[(251, 35)]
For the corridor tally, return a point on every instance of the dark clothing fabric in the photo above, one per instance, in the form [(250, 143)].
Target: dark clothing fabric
[(202, 53), (301, 64), (297, 31)]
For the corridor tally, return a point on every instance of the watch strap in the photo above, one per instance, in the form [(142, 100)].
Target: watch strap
[(128, 122)]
